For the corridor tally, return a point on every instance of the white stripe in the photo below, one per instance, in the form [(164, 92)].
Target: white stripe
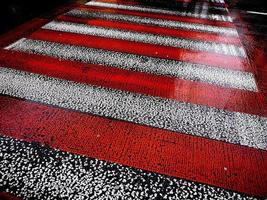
[(184, 70), (218, 1), (198, 120), (155, 22), (226, 49), (257, 13), (159, 11), (203, 7), (35, 172)]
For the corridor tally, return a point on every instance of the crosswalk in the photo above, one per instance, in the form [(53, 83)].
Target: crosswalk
[(159, 11), (124, 100)]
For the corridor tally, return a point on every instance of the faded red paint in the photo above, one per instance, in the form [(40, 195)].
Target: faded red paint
[(153, 30), (159, 16), (203, 160), (199, 57), (193, 158), (148, 84), (6, 196)]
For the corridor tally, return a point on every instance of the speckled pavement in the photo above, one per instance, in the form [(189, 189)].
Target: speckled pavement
[(33, 171)]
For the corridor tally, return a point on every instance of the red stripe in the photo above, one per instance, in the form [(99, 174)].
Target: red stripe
[(6, 196), (148, 84), (206, 58), (154, 30), (159, 16), (211, 162)]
